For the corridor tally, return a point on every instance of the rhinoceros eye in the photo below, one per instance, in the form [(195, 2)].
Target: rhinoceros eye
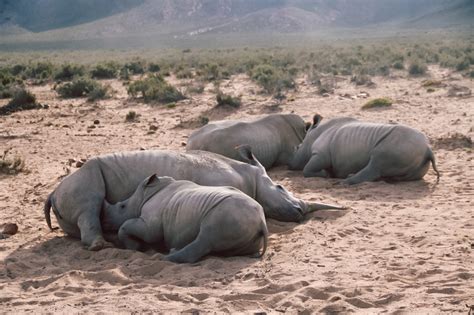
[(122, 206), (280, 187)]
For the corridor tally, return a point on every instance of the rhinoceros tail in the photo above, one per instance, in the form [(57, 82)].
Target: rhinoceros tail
[(433, 163), (263, 234), (47, 209)]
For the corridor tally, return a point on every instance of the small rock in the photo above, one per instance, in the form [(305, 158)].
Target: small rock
[(10, 229), (91, 127), (153, 127), (325, 95), (96, 122), (79, 164), (183, 143), (142, 149)]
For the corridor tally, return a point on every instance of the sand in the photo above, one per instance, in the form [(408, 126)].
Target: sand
[(405, 247)]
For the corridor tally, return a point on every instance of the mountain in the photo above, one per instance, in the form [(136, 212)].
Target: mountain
[(85, 19)]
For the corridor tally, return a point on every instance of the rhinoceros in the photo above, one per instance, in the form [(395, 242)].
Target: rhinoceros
[(273, 138), (189, 219), (78, 199), (363, 151)]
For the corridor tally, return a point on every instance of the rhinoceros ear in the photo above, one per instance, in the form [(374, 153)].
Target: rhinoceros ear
[(316, 120), (245, 152), (151, 180)]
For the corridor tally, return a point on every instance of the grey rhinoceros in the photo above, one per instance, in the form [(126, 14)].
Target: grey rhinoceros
[(273, 138), (78, 199), (189, 219), (363, 151)]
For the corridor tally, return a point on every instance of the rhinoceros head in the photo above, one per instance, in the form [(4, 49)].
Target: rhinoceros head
[(277, 202), (114, 215)]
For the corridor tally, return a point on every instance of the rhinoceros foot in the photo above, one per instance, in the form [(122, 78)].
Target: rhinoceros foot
[(99, 243)]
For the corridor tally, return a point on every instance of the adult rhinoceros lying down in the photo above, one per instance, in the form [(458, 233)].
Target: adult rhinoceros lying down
[(273, 138), (189, 219), (362, 151), (78, 199)]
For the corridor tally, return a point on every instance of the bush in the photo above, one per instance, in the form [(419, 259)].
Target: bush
[(203, 120), (81, 87), (184, 74), (271, 79), (40, 71), (224, 99), (155, 88), (22, 100), (463, 65), (362, 79), (11, 166), (131, 116), (377, 103), (154, 67), (135, 67), (107, 70), (417, 68), (67, 72), (398, 65), (98, 93)]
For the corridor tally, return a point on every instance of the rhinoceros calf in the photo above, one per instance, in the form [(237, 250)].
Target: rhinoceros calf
[(189, 219), (273, 138), (78, 199), (362, 151)]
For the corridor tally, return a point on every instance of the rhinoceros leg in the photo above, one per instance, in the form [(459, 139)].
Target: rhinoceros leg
[(131, 233), (315, 167), (91, 231), (369, 173), (192, 252)]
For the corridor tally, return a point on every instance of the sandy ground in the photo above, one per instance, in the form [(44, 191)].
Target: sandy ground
[(404, 247)]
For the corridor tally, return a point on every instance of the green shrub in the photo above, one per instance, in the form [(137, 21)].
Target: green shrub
[(377, 103), (107, 70), (135, 67), (271, 79), (184, 74), (100, 92), (67, 72), (40, 71), (417, 68), (471, 74), (81, 87), (18, 69), (154, 67), (203, 120), (209, 72), (155, 88), (131, 116), (430, 90), (398, 65), (22, 100), (225, 99), (463, 65)]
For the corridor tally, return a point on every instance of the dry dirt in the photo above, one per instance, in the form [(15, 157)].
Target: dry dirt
[(404, 247)]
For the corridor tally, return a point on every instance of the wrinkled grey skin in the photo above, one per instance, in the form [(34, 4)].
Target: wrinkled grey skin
[(273, 139), (78, 199), (361, 151), (189, 219)]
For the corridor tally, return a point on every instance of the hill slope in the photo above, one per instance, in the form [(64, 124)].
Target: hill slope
[(83, 19)]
